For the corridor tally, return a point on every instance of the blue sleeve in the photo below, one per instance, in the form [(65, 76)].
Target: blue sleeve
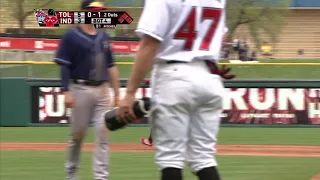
[(65, 77), (108, 54), (109, 58), (64, 52), (64, 59)]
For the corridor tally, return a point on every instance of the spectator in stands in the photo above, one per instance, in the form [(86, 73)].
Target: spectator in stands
[(236, 46), (241, 54), (300, 53), (266, 49), (226, 52), (226, 46), (253, 56), (245, 50)]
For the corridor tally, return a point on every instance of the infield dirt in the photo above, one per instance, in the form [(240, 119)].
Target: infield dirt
[(244, 150)]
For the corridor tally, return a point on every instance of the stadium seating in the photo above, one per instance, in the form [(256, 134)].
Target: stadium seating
[(301, 31)]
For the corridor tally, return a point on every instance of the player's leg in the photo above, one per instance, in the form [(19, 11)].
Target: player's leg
[(80, 118), (170, 132), (170, 121), (101, 152), (147, 141), (204, 128), (150, 137), (201, 151)]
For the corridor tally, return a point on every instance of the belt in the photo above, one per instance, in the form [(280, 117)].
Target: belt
[(175, 62), (88, 82)]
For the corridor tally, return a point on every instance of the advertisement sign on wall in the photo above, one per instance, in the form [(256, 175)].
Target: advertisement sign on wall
[(241, 105), (48, 105), (38, 44)]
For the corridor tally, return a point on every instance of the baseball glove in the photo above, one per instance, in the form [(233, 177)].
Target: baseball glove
[(223, 71)]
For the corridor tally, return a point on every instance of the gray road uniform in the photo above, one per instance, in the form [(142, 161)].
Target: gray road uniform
[(84, 60)]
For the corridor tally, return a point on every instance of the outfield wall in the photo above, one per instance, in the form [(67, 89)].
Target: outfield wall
[(26, 102)]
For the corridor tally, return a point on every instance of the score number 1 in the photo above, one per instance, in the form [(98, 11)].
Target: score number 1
[(100, 14)]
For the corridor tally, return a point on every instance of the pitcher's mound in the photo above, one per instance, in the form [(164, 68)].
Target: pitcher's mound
[(316, 177)]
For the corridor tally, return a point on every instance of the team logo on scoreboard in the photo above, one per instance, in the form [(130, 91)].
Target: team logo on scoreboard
[(46, 17)]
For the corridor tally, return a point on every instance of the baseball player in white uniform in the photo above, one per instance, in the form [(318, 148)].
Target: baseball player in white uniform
[(181, 42)]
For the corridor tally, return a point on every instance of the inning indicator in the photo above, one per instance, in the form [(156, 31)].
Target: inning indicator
[(100, 20)]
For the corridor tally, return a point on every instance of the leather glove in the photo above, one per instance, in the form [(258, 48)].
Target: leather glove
[(223, 71)]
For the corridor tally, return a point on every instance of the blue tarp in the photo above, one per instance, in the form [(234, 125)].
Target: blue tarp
[(139, 3), (305, 3), (126, 3), (293, 3)]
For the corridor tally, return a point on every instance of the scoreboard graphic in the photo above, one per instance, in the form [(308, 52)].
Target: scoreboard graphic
[(100, 19)]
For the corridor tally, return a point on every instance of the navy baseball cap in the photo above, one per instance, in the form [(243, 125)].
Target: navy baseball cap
[(92, 5)]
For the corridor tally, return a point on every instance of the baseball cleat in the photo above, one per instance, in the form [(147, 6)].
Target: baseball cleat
[(146, 141)]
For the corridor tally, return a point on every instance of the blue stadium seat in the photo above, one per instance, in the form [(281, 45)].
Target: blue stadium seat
[(305, 3), (126, 3)]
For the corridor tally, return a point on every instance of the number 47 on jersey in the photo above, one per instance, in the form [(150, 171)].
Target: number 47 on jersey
[(188, 31)]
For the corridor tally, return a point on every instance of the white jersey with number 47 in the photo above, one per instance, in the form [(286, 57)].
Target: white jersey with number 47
[(187, 29)]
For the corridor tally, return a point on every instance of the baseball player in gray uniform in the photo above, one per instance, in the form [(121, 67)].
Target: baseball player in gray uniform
[(87, 69)]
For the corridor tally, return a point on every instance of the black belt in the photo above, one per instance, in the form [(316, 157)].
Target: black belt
[(88, 82), (175, 62)]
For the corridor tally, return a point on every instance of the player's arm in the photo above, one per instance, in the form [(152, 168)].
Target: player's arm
[(152, 32), (113, 73), (143, 64), (64, 59)]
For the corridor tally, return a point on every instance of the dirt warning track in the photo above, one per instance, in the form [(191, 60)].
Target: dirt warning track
[(243, 150)]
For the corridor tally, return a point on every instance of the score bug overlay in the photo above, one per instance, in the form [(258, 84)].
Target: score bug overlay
[(100, 19), (46, 17)]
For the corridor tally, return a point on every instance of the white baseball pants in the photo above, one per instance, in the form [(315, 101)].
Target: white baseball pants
[(187, 101)]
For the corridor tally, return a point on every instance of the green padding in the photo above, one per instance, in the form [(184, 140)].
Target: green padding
[(15, 103)]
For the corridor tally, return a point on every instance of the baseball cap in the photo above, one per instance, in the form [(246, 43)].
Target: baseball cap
[(92, 5)]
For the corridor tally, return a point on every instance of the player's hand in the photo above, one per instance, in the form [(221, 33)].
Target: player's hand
[(116, 102), (223, 71), (125, 112), (68, 99)]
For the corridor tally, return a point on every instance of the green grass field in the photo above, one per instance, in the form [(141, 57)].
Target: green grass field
[(139, 166), (242, 71), (30, 165), (286, 136)]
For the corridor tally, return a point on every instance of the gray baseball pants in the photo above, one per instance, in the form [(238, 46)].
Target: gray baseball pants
[(90, 104)]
